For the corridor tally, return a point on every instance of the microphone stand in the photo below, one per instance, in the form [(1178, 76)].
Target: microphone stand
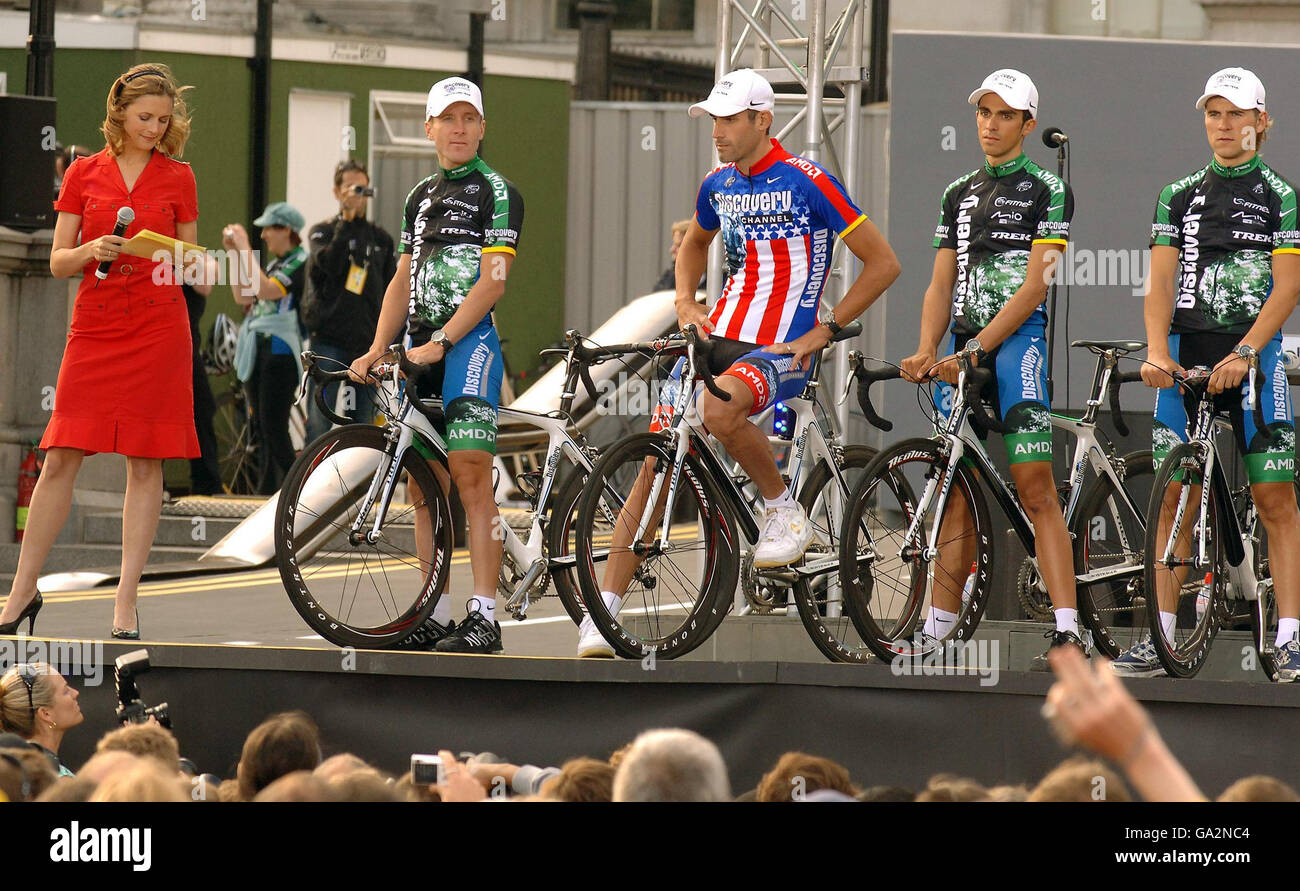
[(1051, 295)]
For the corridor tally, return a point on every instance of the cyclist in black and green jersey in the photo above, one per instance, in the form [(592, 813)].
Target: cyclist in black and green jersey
[(1001, 231), (459, 234), (1225, 275)]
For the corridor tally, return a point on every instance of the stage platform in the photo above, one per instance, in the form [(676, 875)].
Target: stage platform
[(888, 729)]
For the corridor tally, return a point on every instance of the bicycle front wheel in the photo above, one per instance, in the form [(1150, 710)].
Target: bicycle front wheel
[(1186, 571), (368, 584), (890, 580), (675, 592), (818, 594), (1109, 563)]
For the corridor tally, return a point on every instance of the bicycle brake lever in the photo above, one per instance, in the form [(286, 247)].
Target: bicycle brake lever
[(855, 362)]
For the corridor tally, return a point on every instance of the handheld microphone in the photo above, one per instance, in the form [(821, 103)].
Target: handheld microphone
[(1054, 137), (125, 217)]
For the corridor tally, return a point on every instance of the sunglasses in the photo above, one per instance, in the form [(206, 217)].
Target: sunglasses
[(148, 72), (27, 673)]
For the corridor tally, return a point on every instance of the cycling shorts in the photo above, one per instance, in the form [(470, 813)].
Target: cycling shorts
[(1018, 392), (770, 377), (1269, 453), (468, 380)]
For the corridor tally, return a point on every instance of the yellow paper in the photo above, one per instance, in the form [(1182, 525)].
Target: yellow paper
[(147, 244), (356, 281)]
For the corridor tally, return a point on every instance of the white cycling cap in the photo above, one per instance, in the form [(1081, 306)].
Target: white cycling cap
[(449, 91), (1239, 86), (741, 90), (1014, 87)]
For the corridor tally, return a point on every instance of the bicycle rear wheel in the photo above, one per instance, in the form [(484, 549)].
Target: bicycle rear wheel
[(820, 597), (1108, 544), (375, 588), (677, 594), (1193, 540), (238, 456), (889, 583)]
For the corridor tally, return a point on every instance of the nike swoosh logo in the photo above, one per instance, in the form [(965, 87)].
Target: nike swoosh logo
[(759, 102), (484, 335), (773, 179)]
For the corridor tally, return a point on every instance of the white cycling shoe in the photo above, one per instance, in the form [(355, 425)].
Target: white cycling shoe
[(591, 643), (786, 535)]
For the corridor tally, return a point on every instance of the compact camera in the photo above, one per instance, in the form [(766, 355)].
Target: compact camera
[(368, 191)]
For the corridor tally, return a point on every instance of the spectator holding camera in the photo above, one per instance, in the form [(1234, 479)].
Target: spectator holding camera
[(38, 704), (352, 261)]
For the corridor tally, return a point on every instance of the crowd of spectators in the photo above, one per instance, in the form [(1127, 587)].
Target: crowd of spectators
[(282, 760)]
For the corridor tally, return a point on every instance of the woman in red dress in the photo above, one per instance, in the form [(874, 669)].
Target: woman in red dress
[(124, 385)]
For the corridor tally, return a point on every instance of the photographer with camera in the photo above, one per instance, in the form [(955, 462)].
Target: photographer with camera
[(38, 704), (352, 261)]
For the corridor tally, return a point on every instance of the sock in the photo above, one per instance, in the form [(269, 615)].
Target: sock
[(1286, 630), (939, 623), (487, 606), (1167, 621), (1067, 619), (613, 603), (785, 499), (442, 610)]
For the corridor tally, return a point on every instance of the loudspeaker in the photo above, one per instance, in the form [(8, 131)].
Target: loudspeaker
[(27, 171)]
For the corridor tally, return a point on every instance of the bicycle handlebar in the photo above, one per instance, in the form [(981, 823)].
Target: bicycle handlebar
[(1117, 378), (976, 380), (698, 350), (866, 377), (321, 376)]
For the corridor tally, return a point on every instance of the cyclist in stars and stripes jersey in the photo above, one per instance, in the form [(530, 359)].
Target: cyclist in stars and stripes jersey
[(1225, 275), (778, 214)]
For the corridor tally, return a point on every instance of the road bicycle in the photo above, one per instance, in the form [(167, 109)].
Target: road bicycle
[(363, 529), (1207, 550), (685, 528), (918, 521)]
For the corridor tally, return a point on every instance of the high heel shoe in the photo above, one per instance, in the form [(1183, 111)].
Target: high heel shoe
[(132, 634), (29, 613)]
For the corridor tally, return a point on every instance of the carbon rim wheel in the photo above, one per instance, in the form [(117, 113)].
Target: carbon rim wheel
[(677, 595), (373, 589), (820, 597), (1108, 536), (889, 583), (1184, 579)]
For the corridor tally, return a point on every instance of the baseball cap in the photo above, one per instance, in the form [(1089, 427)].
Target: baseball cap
[(741, 90), (1014, 87), (450, 90), (1239, 86), (281, 213)]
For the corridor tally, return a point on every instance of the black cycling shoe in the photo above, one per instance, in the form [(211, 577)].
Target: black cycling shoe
[(474, 635), (426, 637), (1059, 639)]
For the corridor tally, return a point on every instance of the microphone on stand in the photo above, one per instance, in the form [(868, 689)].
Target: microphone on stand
[(125, 217), (1054, 137)]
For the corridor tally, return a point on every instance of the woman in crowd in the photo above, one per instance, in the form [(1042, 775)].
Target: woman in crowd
[(122, 386), (38, 704)]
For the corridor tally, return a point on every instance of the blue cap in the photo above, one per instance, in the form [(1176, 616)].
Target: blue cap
[(281, 213)]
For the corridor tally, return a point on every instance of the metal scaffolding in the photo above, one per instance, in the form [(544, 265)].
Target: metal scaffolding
[(831, 57)]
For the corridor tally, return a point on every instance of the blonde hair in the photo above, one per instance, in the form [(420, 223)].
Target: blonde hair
[(149, 79), (146, 780), (17, 711), (145, 741)]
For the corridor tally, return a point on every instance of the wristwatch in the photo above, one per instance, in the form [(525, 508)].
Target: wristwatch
[(1247, 352), (441, 339), (829, 322), (973, 347)]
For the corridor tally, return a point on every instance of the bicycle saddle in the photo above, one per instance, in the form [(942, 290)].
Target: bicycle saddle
[(1119, 346)]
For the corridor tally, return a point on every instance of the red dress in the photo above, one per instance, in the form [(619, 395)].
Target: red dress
[(125, 384)]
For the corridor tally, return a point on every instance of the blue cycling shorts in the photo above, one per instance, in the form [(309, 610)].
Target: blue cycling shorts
[(468, 380), (1018, 392), (1269, 453), (770, 377)]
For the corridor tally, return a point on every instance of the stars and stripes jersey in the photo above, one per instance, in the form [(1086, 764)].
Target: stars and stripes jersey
[(992, 217), (777, 224), (1227, 223)]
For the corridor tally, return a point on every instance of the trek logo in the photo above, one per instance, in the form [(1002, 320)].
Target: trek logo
[(1191, 253), (102, 845)]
